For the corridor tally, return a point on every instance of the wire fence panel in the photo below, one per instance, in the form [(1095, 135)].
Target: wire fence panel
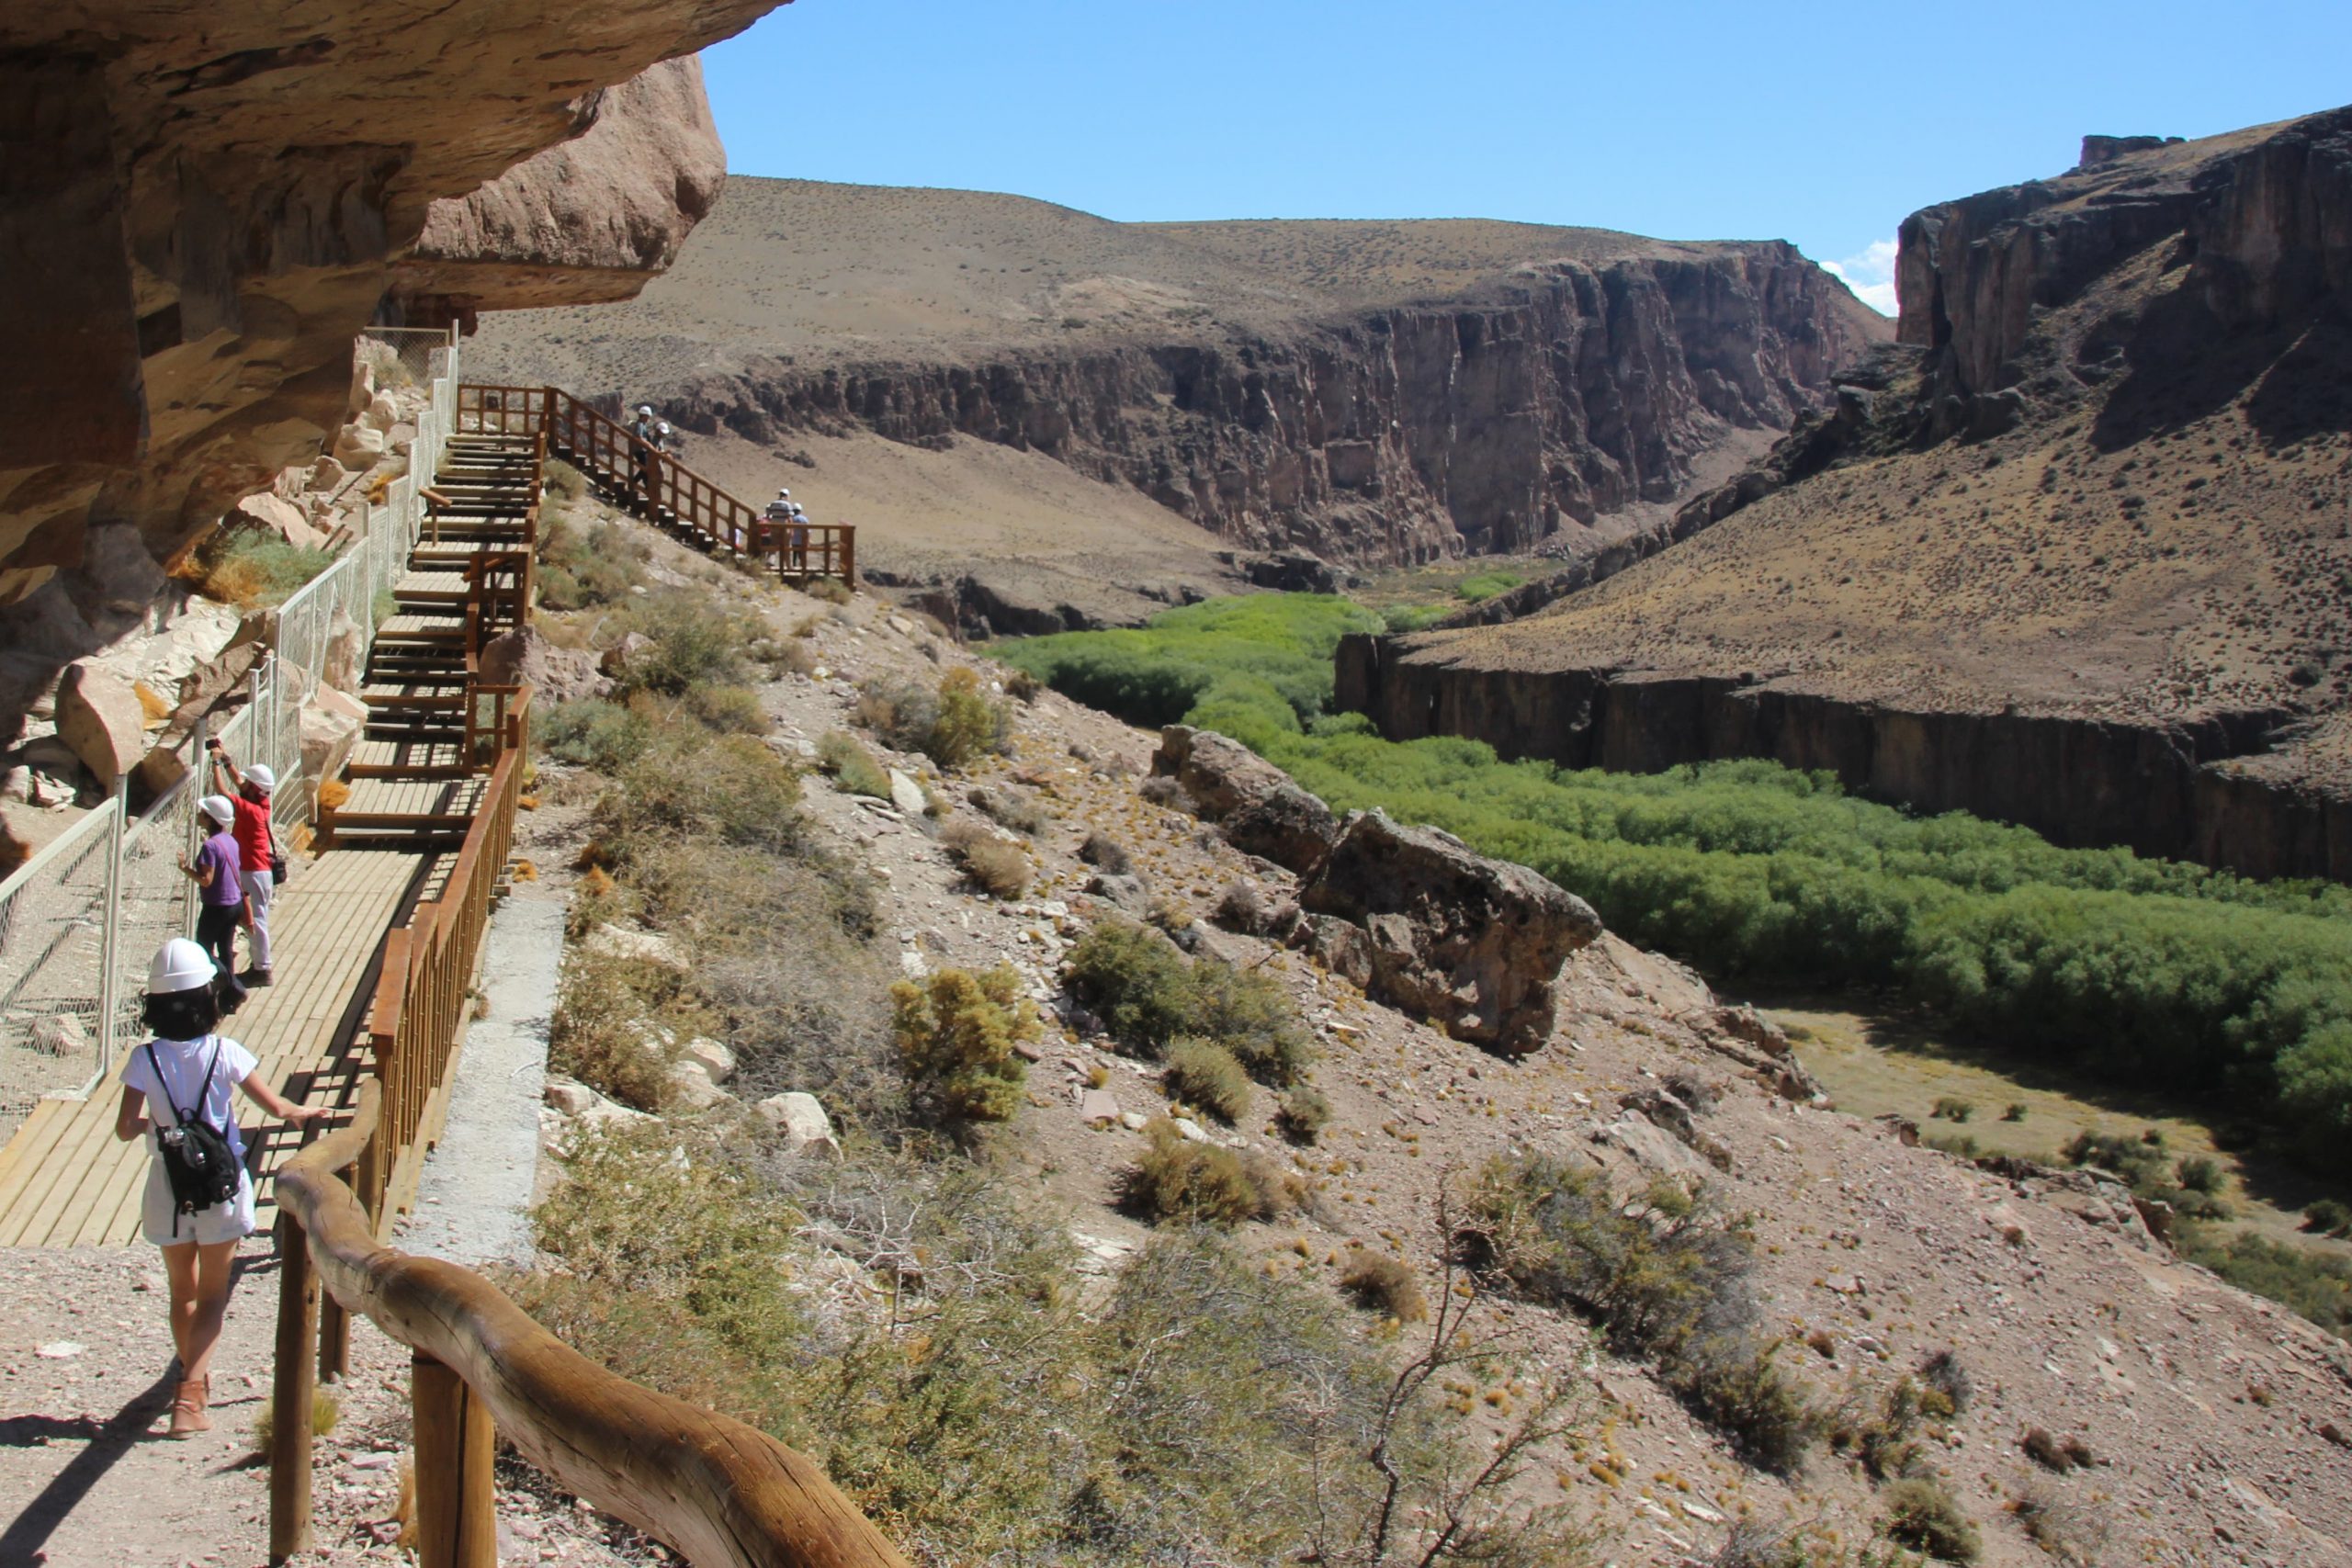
[(52, 934), (80, 920)]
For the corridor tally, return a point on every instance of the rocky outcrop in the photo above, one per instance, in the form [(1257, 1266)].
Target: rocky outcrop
[(1474, 944), (2183, 791), (582, 223), (1400, 435), (1261, 812), (2263, 220), (199, 207)]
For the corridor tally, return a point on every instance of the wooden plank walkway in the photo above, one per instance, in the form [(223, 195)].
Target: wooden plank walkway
[(64, 1178)]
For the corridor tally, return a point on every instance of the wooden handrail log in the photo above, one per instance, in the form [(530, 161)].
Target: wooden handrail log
[(725, 1494)]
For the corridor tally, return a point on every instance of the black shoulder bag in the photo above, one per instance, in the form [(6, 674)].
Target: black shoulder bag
[(197, 1160)]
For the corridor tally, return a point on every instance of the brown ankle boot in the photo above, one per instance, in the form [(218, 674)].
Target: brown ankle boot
[(187, 1407)]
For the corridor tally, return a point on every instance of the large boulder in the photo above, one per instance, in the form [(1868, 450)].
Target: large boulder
[(329, 731), (1258, 807), (99, 717), (800, 1120), (275, 515), (1472, 942), (522, 657)]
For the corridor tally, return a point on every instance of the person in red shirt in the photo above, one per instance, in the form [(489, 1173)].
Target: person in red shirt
[(250, 789)]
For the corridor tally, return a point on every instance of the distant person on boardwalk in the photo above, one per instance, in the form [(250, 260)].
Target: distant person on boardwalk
[(779, 518), (218, 873), (260, 867), (644, 446), (199, 1198), (796, 534)]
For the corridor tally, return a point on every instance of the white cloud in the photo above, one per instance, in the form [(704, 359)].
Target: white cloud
[(1869, 273)]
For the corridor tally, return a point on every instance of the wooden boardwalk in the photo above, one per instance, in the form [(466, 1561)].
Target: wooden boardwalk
[(65, 1180)]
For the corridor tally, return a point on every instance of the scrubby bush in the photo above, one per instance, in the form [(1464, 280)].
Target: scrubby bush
[(593, 733), (730, 710), (688, 780), (998, 868), (956, 1033), (2328, 1217), (1949, 1108), (252, 569), (1135, 981), (1669, 1277), (1486, 585), (1009, 808), (1105, 853), (852, 765), (2314, 1283), (1202, 1074), (614, 1023), (1922, 1514), (1198, 1183), (1304, 1114), (1386, 1285), (1147, 993), (693, 642), (581, 568), (954, 724), (1943, 1374)]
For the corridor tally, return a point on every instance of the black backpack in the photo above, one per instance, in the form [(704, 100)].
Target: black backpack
[(197, 1160)]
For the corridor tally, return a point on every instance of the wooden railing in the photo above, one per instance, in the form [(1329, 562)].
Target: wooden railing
[(427, 972), (722, 1492), (652, 481)]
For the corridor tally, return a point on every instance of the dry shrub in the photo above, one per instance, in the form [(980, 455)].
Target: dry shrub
[(1009, 808), (997, 866), (611, 1014), (2056, 1453), (1304, 1114), (852, 765), (1242, 907), (325, 1410), (1105, 853), (730, 710), (250, 568), (1021, 684), (831, 589), (1198, 1183), (1162, 790), (953, 725), (1147, 994), (333, 793), (2070, 1531), (1924, 1515), (1386, 1285), (1944, 1375), (956, 1033), (1204, 1074)]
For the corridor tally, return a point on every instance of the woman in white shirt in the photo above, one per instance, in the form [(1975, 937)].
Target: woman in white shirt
[(188, 1069)]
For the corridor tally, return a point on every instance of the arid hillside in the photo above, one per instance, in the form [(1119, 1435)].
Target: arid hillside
[(1373, 391), (2076, 553)]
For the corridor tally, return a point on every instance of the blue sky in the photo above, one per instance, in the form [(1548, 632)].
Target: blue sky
[(1692, 120)]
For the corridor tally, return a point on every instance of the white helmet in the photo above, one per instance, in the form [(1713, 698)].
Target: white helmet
[(220, 808), (784, 495), (179, 965), (645, 411), (261, 778)]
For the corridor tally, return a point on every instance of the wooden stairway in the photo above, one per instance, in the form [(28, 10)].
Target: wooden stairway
[(432, 722)]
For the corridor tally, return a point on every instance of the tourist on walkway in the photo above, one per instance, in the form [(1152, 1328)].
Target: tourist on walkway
[(259, 870), (180, 1080), (643, 447), (220, 909)]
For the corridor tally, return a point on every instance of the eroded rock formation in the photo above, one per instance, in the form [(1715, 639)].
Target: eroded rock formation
[(198, 207)]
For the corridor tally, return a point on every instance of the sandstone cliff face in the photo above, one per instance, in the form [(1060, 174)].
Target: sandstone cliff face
[(1400, 435), (585, 222), (201, 205)]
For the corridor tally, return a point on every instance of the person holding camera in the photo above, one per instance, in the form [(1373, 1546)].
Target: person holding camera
[(198, 1202), (260, 865)]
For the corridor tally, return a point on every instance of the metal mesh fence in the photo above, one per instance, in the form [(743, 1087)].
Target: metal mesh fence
[(52, 935), (109, 885), (401, 357)]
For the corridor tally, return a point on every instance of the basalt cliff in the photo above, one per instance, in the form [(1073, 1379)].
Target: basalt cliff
[(1370, 392), (200, 205), (2075, 552)]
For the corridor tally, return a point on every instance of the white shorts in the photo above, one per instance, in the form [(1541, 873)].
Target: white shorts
[(231, 1221)]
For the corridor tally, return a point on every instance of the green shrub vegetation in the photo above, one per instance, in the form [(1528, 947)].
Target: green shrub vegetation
[(1147, 994), (1179, 1180), (854, 768), (1667, 1278), (2155, 971), (1487, 585), (582, 568), (1922, 1514), (1001, 1409), (954, 724), (956, 1033), (1204, 1074)]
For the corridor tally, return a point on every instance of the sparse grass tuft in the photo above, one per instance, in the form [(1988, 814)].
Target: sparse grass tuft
[(1191, 1183), (1924, 1515), (998, 868), (854, 768), (253, 570), (1304, 1114), (1385, 1285), (1105, 853)]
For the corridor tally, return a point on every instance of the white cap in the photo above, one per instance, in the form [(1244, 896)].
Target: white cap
[(261, 778), (220, 808), (179, 965), (784, 495), (645, 409)]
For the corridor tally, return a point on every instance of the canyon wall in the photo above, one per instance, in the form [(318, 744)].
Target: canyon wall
[(200, 205), (1401, 435), (2162, 790)]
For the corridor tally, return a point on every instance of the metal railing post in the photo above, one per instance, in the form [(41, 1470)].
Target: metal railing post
[(110, 938)]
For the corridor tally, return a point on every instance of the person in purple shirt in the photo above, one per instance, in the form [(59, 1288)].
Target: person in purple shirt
[(220, 913)]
